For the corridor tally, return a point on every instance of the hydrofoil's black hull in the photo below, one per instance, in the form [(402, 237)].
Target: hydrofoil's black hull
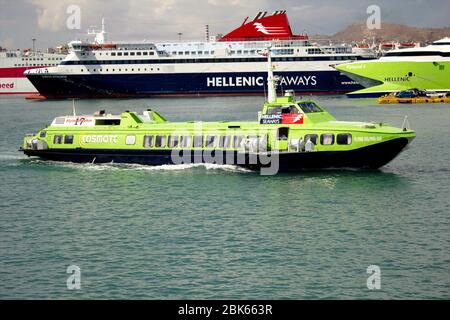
[(370, 157)]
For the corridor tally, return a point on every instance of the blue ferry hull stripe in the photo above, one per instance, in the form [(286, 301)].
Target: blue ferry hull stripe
[(192, 83)]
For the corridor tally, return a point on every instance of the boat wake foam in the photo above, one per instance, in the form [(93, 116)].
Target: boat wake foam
[(138, 167), (9, 157)]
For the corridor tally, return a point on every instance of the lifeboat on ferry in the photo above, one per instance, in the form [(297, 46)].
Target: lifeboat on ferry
[(387, 46), (96, 46), (406, 45), (109, 46)]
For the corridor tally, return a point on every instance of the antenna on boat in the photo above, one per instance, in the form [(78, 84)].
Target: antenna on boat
[(100, 35), (271, 79), (74, 109), (406, 125)]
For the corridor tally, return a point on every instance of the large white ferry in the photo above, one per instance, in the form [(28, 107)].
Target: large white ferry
[(13, 64), (231, 65)]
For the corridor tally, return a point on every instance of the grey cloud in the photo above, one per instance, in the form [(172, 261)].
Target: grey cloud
[(21, 20)]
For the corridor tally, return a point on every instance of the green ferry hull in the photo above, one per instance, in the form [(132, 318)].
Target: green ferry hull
[(369, 157), (381, 77)]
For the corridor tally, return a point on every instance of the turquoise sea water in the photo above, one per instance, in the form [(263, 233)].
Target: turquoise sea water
[(211, 232)]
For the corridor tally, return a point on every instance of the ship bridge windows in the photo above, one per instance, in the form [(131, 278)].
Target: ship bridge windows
[(314, 51), (327, 139), (344, 139), (283, 51), (107, 122), (309, 107), (274, 110), (288, 109)]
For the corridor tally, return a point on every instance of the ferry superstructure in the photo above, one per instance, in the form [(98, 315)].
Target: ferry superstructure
[(13, 64), (231, 65), (426, 68)]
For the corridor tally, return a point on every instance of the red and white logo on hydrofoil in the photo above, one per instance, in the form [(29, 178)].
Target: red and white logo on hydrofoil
[(293, 118)]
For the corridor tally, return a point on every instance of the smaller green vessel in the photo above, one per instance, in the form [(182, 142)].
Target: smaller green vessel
[(289, 135)]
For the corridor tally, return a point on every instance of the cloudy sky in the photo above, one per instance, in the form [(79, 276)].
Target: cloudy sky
[(22, 20)]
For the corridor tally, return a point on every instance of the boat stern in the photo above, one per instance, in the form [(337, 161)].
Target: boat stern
[(33, 143)]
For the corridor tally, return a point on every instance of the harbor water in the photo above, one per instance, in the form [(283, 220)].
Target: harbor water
[(220, 232)]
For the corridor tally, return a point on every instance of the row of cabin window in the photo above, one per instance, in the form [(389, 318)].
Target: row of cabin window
[(180, 53), (113, 54), (145, 53), (40, 59), (36, 65), (120, 70), (204, 60), (222, 142), (225, 142), (329, 139), (327, 50)]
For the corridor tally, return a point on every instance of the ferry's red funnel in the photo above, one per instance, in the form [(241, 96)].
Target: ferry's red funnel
[(274, 27)]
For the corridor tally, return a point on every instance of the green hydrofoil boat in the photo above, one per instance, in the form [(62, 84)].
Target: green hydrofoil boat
[(289, 135)]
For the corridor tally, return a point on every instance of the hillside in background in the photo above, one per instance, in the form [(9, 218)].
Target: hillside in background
[(389, 32)]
